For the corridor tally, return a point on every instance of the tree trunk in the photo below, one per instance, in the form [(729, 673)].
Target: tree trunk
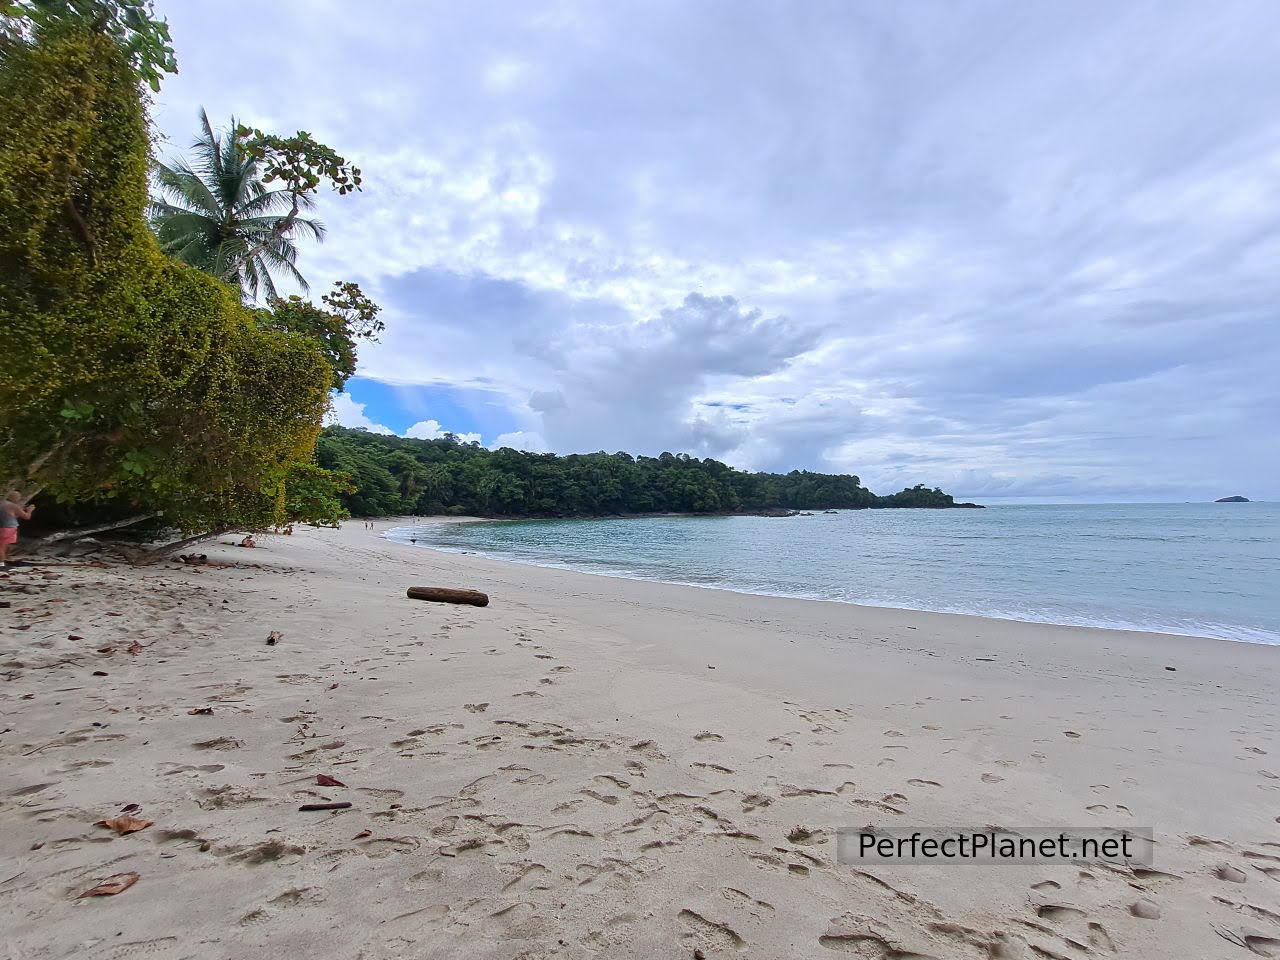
[(449, 595), (103, 528), (280, 230), (156, 554)]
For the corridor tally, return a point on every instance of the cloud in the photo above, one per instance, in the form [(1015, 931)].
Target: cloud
[(521, 440), (1012, 251), (431, 430), (347, 412)]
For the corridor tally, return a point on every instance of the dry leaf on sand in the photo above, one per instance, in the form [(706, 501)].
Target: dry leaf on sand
[(116, 883), (123, 825), (324, 780)]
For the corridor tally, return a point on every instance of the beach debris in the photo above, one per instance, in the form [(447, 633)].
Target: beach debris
[(324, 780), (339, 805), (136, 647), (125, 824), (247, 541), (99, 673), (72, 636), (1171, 669), (449, 595), (200, 712), (274, 637), (362, 834), (130, 808), (116, 883)]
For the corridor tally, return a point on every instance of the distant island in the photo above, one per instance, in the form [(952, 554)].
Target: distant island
[(388, 475), (1232, 500)]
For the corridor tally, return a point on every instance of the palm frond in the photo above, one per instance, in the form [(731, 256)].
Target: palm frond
[(212, 210)]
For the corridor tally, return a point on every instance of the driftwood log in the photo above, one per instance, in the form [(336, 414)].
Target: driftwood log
[(449, 595)]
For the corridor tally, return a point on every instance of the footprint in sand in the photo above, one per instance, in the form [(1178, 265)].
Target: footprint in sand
[(219, 743), (866, 944), (290, 898), (268, 851), (709, 934)]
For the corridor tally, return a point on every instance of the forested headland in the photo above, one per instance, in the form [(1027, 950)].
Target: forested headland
[(389, 475)]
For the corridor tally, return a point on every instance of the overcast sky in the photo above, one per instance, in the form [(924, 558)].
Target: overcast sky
[(1012, 249)]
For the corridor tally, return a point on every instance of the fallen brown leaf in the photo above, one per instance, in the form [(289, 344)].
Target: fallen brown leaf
[(200, 712), (105, 649), (130, 808), (324, 780), (362, 834), (123, 825), (116, 883), (136, 647), (274, 637)]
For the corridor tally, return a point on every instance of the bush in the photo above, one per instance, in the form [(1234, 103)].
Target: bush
[(131, 383)]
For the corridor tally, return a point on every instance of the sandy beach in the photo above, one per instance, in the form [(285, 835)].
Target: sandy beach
[(596, 767)]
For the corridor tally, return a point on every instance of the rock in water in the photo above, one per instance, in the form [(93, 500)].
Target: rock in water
[(1232, 500), (449, 595)]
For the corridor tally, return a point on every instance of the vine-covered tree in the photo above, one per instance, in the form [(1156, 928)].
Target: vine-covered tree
[(347, 316), (133, 385)]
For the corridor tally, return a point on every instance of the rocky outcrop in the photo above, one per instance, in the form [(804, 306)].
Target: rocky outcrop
[(1233, 500)]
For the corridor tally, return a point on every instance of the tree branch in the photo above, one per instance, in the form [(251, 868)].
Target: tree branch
[(85, 231)]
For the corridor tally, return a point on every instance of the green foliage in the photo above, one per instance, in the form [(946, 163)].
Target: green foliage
[(300, 161), (351, 316), (215, 212), (392, 475), (131, 23), (313, 495), (131, 382)]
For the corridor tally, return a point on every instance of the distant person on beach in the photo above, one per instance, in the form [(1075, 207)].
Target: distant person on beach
[(11, 511)]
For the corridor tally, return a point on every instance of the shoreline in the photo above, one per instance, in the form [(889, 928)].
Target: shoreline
[(570, 568), (597, 766)]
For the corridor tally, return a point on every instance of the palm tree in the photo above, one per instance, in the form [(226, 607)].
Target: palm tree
[(215, 213)]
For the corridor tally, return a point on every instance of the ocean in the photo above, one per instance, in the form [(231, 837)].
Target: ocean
[(1202, 569)]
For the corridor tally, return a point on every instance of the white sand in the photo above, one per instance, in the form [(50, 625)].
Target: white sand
[(562, 774)]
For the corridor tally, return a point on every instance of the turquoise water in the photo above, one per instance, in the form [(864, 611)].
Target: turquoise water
[(1200, 569)]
